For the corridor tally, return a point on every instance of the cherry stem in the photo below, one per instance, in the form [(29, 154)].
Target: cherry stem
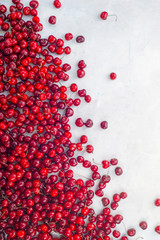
[(82, 176), (2, 214), (139, 238), (124, 227), (113, 15), (4, 164), (96, 162)]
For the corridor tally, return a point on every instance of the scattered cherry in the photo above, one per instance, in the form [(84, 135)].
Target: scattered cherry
[(113, 76), (157, 202), (131, 232), (118, 171), (143, 225), (52, 20), (80, 39), (104, 125)]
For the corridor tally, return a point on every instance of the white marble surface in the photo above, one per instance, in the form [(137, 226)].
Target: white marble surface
[(131, 104)]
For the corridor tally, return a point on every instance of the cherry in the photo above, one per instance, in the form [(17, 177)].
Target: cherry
[(85, 211), (80, 73), (90, 226), (118, 171), (131, 232), (116, 197), (89, 123), (68, 36), (116, 234), (87, 98), (80, 39), (123, 195), (74, 87), (79, 122), (21, 233), (57, 4), (114, 205), (157, 202), (105, 164), (52, 20), (113, 76), (82, 64), (105, 201), (106, 211), (82, 93), (89, 148), (157, 229), (104, 15), (143, 225), (99, 193), (104, 125), (113, 161), (34, 4)]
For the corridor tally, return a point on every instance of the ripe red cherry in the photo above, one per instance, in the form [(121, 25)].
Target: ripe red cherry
[(157, 202), (116, 234), (68, 36), (123, 195), (118, 171), (54, 193), (57, 4), (84, 139), (89, 148), (67, 50), (74, 87), (113, 161), (157, 229), (113, 76), (1, 21), (105, 201), (99, 193), (116, 197), (89, 123), (85, 211), (90, 226), (80, 39), (80, 73), (44, 228), (104, 125), (82, 64), (143, 225), (105, 164), (131, 232), (52, 20), (21, 233), (34, 4), (104, 15), (106, 211), (79, 122)]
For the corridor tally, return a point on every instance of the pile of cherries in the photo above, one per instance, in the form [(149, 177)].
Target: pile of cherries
[(40, 198)]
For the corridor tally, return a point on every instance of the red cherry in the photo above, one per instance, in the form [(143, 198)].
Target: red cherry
[(57, 4), (131, 232), (52, 20), (143, 225), (21, 233), (157, 202), (104, 15), (68, 36), (113, 76)]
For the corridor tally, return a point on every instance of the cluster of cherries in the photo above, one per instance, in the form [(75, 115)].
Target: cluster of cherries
[(40, 198)]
